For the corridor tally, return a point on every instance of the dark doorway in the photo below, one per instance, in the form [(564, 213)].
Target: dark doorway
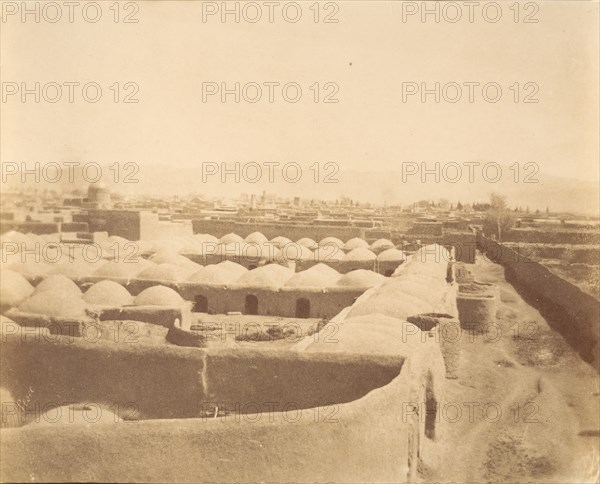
[(302, 308), (389, 272), (251, 304), (201, 305)]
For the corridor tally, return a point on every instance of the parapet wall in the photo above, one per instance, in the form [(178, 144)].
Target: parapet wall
[(349, 442), (177, 382), (567, 308)]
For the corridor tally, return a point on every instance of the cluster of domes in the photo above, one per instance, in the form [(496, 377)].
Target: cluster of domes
[(419, 288), (58, 296), (274, 275), (162, 260)]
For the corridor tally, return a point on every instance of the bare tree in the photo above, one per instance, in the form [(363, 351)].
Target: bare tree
[(498, 218)]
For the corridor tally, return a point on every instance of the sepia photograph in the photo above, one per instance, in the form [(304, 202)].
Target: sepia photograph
[(312, 241)]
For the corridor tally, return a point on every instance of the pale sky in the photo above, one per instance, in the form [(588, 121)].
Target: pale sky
[(170, 52)]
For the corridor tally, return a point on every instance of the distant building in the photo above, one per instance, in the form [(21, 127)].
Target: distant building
[(135, 224), (98, 197)]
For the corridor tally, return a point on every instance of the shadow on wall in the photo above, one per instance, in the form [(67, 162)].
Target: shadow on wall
[(568, 310), (176, 382)]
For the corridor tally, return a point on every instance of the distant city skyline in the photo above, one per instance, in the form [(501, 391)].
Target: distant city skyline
[(370, 128)]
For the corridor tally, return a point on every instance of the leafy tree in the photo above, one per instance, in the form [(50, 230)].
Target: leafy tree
[(498, 218)]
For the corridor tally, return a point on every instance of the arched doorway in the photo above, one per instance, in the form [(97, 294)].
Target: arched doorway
[(251, 304), (302, 308), (201, 305)]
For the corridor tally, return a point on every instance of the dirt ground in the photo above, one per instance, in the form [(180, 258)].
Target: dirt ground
[(525, 406)]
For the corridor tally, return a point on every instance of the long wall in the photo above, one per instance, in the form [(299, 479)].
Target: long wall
[(219, 228), (541, 236), (567, 308), (178, 382), (221, 299)]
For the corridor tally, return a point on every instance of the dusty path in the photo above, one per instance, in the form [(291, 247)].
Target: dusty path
[(525, 407)]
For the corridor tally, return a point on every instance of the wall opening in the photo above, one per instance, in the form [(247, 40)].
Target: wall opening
[(251, 304), (302, 308), (201, 304)]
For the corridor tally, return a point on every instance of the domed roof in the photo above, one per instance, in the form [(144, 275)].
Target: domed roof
[(308, 242), (143, 247), (200, 248), (233, 249), (265, 251), (296, 252), (205, 238), (399, 306), (166, 246), (375, 333), (410, 294), (24, 242), (75, 269), (58, 283), (191, 246), (14, 288), (382, 244), (361, 278), (356, 243), (361, 254), (252, 251), (319, 276), (328, 254), (257, 238), (331, 241), (28, 268), (108, 293), (166, 255), (165, 272), (280, 241), (47, 238), (222, 273), (55, 304), (122, 270), (158, 296), (231, 238), (395, 255), (117, 239), (15, 237), (271, 275)]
